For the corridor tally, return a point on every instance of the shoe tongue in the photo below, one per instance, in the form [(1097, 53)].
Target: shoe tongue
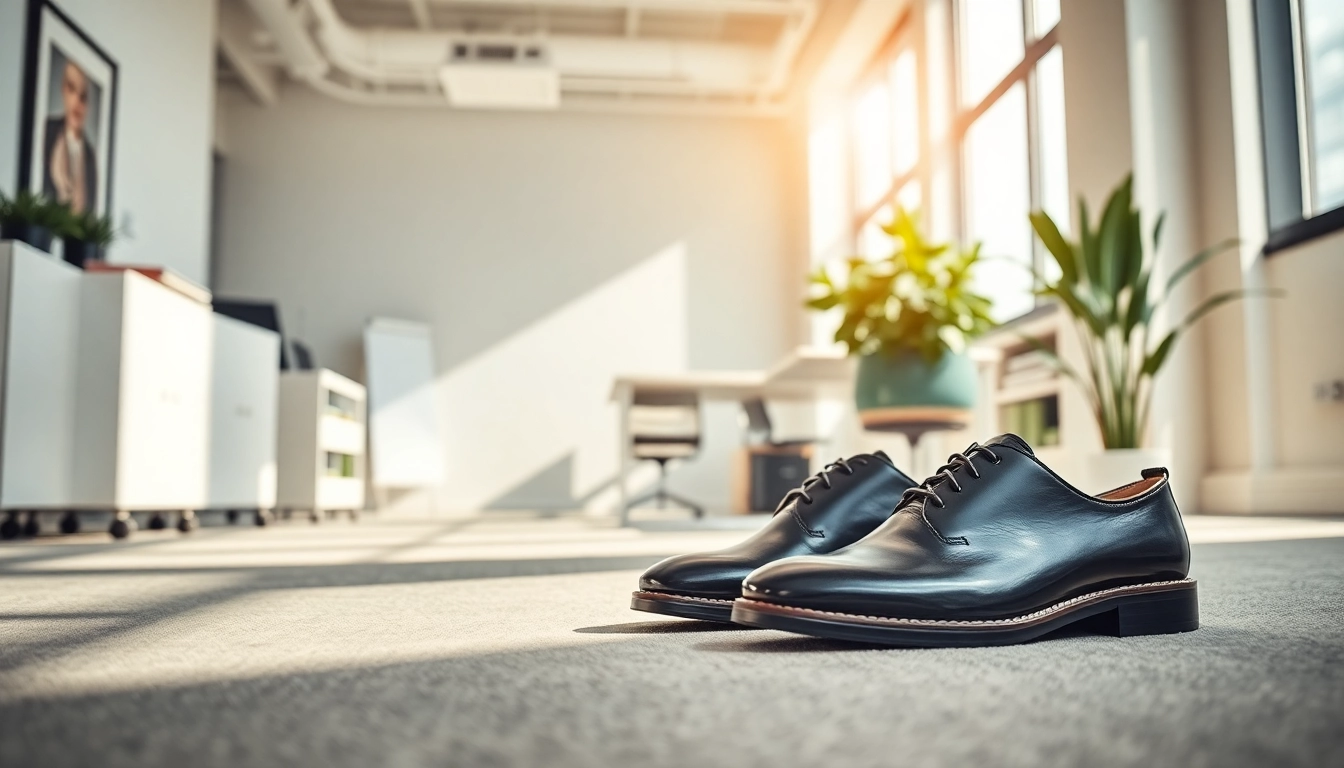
[(1010, 440), (884, 457)]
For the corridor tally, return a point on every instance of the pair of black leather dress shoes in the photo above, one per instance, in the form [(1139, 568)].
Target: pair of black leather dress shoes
[(994, 548)]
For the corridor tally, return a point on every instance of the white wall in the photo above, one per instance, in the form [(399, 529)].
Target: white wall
[(548, 252), (165, 53)]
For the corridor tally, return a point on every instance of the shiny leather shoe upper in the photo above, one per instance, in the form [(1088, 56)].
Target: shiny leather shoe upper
[(834, 508), (994, 534)]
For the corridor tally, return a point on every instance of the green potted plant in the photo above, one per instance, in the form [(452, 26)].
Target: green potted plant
[(86, 237), (908, 317), (1105, 284), (30, 218)]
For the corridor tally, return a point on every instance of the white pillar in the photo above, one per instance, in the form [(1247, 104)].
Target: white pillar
[(1162, 121)]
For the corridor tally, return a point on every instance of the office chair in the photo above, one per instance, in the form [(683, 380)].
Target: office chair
[(664, 426)]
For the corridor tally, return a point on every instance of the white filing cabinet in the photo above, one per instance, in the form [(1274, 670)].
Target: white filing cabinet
[(39, 337), (244, 403), (142, 398), (322, 438)]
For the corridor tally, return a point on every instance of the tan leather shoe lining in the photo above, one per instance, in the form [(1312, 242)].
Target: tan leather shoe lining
[(1133, 490)]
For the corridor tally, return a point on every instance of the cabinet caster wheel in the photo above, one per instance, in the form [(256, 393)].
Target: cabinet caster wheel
[(10, 528), (33, 527), (157, 523), (261, 517), (314, 518), (187, 522), (231, 516), (69, 523), (121, 527)]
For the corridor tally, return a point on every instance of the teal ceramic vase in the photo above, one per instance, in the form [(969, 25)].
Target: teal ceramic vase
[(892, 391)]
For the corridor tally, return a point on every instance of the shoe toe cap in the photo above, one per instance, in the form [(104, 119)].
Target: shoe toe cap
[(703, 575)]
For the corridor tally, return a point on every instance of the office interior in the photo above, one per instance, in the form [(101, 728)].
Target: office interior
[(427, 325)]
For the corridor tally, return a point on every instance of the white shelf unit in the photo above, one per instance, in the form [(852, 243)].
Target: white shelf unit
[(323, 426), (1074, 430), (244, 409)]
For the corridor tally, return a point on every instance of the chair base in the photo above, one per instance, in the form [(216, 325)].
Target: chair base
[(661, 496)]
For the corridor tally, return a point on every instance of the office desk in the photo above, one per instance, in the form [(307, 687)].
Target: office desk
[(805, 374)]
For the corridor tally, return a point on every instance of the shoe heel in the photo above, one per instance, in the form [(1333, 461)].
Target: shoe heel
[(1156, 613)]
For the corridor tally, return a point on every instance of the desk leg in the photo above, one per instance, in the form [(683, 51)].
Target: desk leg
[(623, 455)]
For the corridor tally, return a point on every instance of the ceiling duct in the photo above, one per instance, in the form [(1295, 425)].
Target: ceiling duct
[(406, 66)]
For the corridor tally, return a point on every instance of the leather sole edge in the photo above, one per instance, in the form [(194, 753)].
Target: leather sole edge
[(683, 606), (1153, 608)]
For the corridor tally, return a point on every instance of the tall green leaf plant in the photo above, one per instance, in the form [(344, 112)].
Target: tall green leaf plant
[(1106, 283)]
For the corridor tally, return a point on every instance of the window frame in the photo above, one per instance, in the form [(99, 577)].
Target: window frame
[(910, 34), (1280, 67)]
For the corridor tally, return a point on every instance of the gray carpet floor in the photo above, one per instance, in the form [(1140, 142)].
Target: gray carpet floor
[(434, 646)]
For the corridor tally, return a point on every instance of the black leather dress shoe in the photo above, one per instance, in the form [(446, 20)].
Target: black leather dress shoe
[(834, 508), (993, 549)]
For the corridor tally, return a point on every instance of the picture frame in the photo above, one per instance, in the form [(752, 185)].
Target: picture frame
[(67, 140)]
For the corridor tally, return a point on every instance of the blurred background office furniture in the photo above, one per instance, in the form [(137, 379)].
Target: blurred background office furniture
[(321, 447), (244, 404), (663, 426), (916, 422), (39, 339), (806, 375), (263, 314), (142, 400), (767, 467), (405, 447)]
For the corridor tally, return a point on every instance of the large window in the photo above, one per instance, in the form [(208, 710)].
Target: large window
[(961, 116), (1301, 51)]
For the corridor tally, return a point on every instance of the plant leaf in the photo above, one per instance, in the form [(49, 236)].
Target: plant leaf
[(1198, 259), (1055, 243), (1113, 241), (1153, 363)]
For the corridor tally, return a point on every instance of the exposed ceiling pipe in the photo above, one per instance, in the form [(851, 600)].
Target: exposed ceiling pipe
[(387, 58), (396, 56), (303, 60), (350, 95), (752, 7)]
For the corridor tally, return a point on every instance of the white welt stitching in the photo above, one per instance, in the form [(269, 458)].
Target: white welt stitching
[(669, 595), (985, 622)]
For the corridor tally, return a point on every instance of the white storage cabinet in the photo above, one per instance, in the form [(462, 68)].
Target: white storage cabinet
[(39, 345), (244, 409), (142, 400)]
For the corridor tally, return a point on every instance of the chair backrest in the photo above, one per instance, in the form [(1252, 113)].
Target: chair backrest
[(263, 314), (759, 428), (303, 357), (664, 424)]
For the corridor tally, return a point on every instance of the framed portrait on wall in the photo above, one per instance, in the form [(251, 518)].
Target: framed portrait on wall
[(67, 139)]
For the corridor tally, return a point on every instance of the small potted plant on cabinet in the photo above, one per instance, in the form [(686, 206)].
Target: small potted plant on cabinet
[(30, 218), (86, 237), (1106, 284), (908, 317)]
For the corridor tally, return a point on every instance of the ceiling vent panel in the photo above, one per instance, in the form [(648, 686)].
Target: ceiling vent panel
[(500, 74)]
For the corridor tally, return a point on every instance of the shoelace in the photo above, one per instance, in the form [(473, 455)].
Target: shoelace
[(925, 490), (823, 477)]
